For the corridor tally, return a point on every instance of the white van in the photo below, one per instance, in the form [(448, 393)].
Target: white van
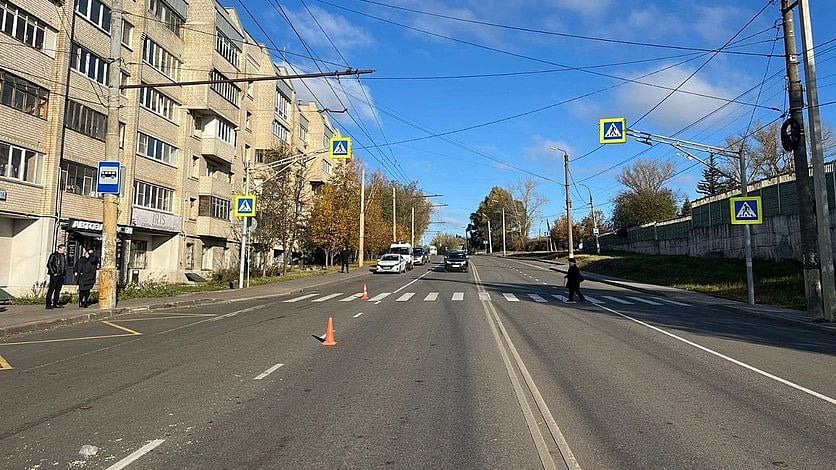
[(404, 249), (433, 250)]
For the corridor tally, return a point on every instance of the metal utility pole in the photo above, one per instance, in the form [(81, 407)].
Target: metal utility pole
[(568, 206), (806, 212), (360, 253), (504, 253), (595, 231), (245, 226), (549, 231), (108, 275), (394, 216), (823, 238), (490, 237), (747, 231)]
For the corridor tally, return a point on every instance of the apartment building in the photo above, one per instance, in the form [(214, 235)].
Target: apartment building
[(183, 149)]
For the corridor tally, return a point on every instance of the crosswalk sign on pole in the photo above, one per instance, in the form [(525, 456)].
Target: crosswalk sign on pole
[(339, 148), (612, 130), (244, 206), (746, 210)]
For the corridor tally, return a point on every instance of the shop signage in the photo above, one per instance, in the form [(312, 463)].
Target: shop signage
[(87, 226), (144, 218)]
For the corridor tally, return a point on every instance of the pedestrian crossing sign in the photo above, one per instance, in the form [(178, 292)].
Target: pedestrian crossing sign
[(340, 148), (612, 130), (746, 210), (244, 206)]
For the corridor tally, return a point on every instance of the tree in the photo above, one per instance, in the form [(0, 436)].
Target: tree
[(714, 181), (525, 208), (646, 199), (446, 241), (336, 213), (686, 209), (490, 209), (647, 175)]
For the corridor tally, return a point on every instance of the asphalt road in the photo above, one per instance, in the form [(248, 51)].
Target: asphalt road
[(485, 369)]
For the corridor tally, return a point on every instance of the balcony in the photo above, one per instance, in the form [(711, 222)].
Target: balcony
[(211, 227), (218, 148), (215, 186)]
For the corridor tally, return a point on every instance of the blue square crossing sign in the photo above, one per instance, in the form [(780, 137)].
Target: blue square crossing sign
[(612, 130), (244, 206), (746, 210), (339, 148)]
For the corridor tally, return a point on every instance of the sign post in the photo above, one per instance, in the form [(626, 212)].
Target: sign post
[(243, 207), (746, 210)]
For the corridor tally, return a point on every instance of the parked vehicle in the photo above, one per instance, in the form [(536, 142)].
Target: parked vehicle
[(418, 257), (455, 261), (391, 263), (404, 249)]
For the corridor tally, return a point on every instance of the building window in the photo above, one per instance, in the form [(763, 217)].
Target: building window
[(86, 63), (326, 167), (19, 163), (189, 255), (303, 132), (282, 105), (227, 49), (228, 91), (78, 178), (281, 132), (226, 132), (23, 95), (154, 148), (122, 129), (21, 25), (195, 166), (193, 208), (260, 155), (248, 121), (158, 103), (94, 11), (152, 196), (127, 33), (166, 15), (87, 121), (139, 249), (220, 208), (247, 151), (160, 59)]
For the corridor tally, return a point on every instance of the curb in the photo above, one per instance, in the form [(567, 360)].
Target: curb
[(86, 317)]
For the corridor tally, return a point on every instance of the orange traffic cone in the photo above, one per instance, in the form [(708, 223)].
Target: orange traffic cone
[(365, 293), (329, 333)]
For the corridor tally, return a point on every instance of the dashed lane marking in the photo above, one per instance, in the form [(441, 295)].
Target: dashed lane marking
[(357, 315), (136, 455), (268, 372), (327, 297)]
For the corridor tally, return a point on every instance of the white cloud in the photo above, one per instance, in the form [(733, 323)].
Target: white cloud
[(347, 92), (586, 7), (342, 32), (540, 149)]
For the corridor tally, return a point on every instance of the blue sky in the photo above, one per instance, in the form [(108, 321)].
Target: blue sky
[(393, 106)]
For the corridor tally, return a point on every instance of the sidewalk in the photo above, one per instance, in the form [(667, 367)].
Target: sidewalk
[(786, 315), (16, 319)]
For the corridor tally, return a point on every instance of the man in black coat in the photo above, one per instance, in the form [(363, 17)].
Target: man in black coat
[(345, 255), (85, 275), (573, 281), (56, 268)]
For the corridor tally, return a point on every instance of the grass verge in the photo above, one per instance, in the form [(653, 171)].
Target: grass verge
[(778, 283)]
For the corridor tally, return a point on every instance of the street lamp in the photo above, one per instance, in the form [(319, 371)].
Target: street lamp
[(504, 253), (568, 199), (595, 231)]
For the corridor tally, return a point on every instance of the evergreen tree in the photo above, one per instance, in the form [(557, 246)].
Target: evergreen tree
[(686, 208), (713, 182)]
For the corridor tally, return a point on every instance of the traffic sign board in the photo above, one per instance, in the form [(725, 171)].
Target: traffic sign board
[(612, 130), (108, 178), (339, 148), (244, 206), (746, 210)]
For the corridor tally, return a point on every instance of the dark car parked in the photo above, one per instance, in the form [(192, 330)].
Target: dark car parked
[(455, 261)]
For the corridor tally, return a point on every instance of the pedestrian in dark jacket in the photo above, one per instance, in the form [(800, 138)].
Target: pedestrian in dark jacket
[(344, 264), (85, 276), (573, 281), (56, 268)]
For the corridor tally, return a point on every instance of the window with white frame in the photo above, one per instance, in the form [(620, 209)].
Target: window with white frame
[(158, 103), (281, 132), (226, 48), (19, 163), (326, 166), (87, 63), (22, 25), (226, 132), (154, 148), (303, 130), (220, 208), (166, 15), (95, 12), (23, 95), (79, 179), (228, 91), (127, 33), (153, 196), (160, 59), (282, 104), (85, 120)]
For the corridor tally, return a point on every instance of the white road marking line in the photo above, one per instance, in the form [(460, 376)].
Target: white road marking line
[(639, 299), (727, 358), (484, 296), (560, 298), (545, 283), (537, 298), (268, 371), (357, 315), (675, 302), (410, 282), (431, 297), (352, 297), (616, 299), (297, 299), (380, 296), (530, 266), (136, 455), (327, 297), (458, 296), (232, 314), (405, 297), (593, 300), (510, 297)]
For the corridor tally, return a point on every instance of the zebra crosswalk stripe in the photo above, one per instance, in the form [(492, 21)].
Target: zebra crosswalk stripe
[(537, 298), (675, 302), (327, 297), (593, 300), (431, 297), (559, 297), (645, 301), (405, 297), (484, 296), (380, 296), (458, 296), (297, 299), (352, 297), (616, 299), (510, 297)]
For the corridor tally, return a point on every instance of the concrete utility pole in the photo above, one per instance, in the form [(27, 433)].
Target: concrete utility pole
[(806, 213), (747, 231), (568, 206), (594, 224), (504, 253), (490, 237), (412, 230), (817, 160), (394, 216), (549, 231), (360, 253), (108, 276)]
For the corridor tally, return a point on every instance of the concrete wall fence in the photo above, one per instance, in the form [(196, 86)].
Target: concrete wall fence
[(708, 232)]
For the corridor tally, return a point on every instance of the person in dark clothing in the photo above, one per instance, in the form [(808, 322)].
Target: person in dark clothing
[(573, 281), (56, 268), (85, 275), (345, 256)]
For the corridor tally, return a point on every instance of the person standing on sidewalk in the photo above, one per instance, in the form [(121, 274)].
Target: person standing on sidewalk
[(573, 281), (56, 268), (85, 275), (344, 264)]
